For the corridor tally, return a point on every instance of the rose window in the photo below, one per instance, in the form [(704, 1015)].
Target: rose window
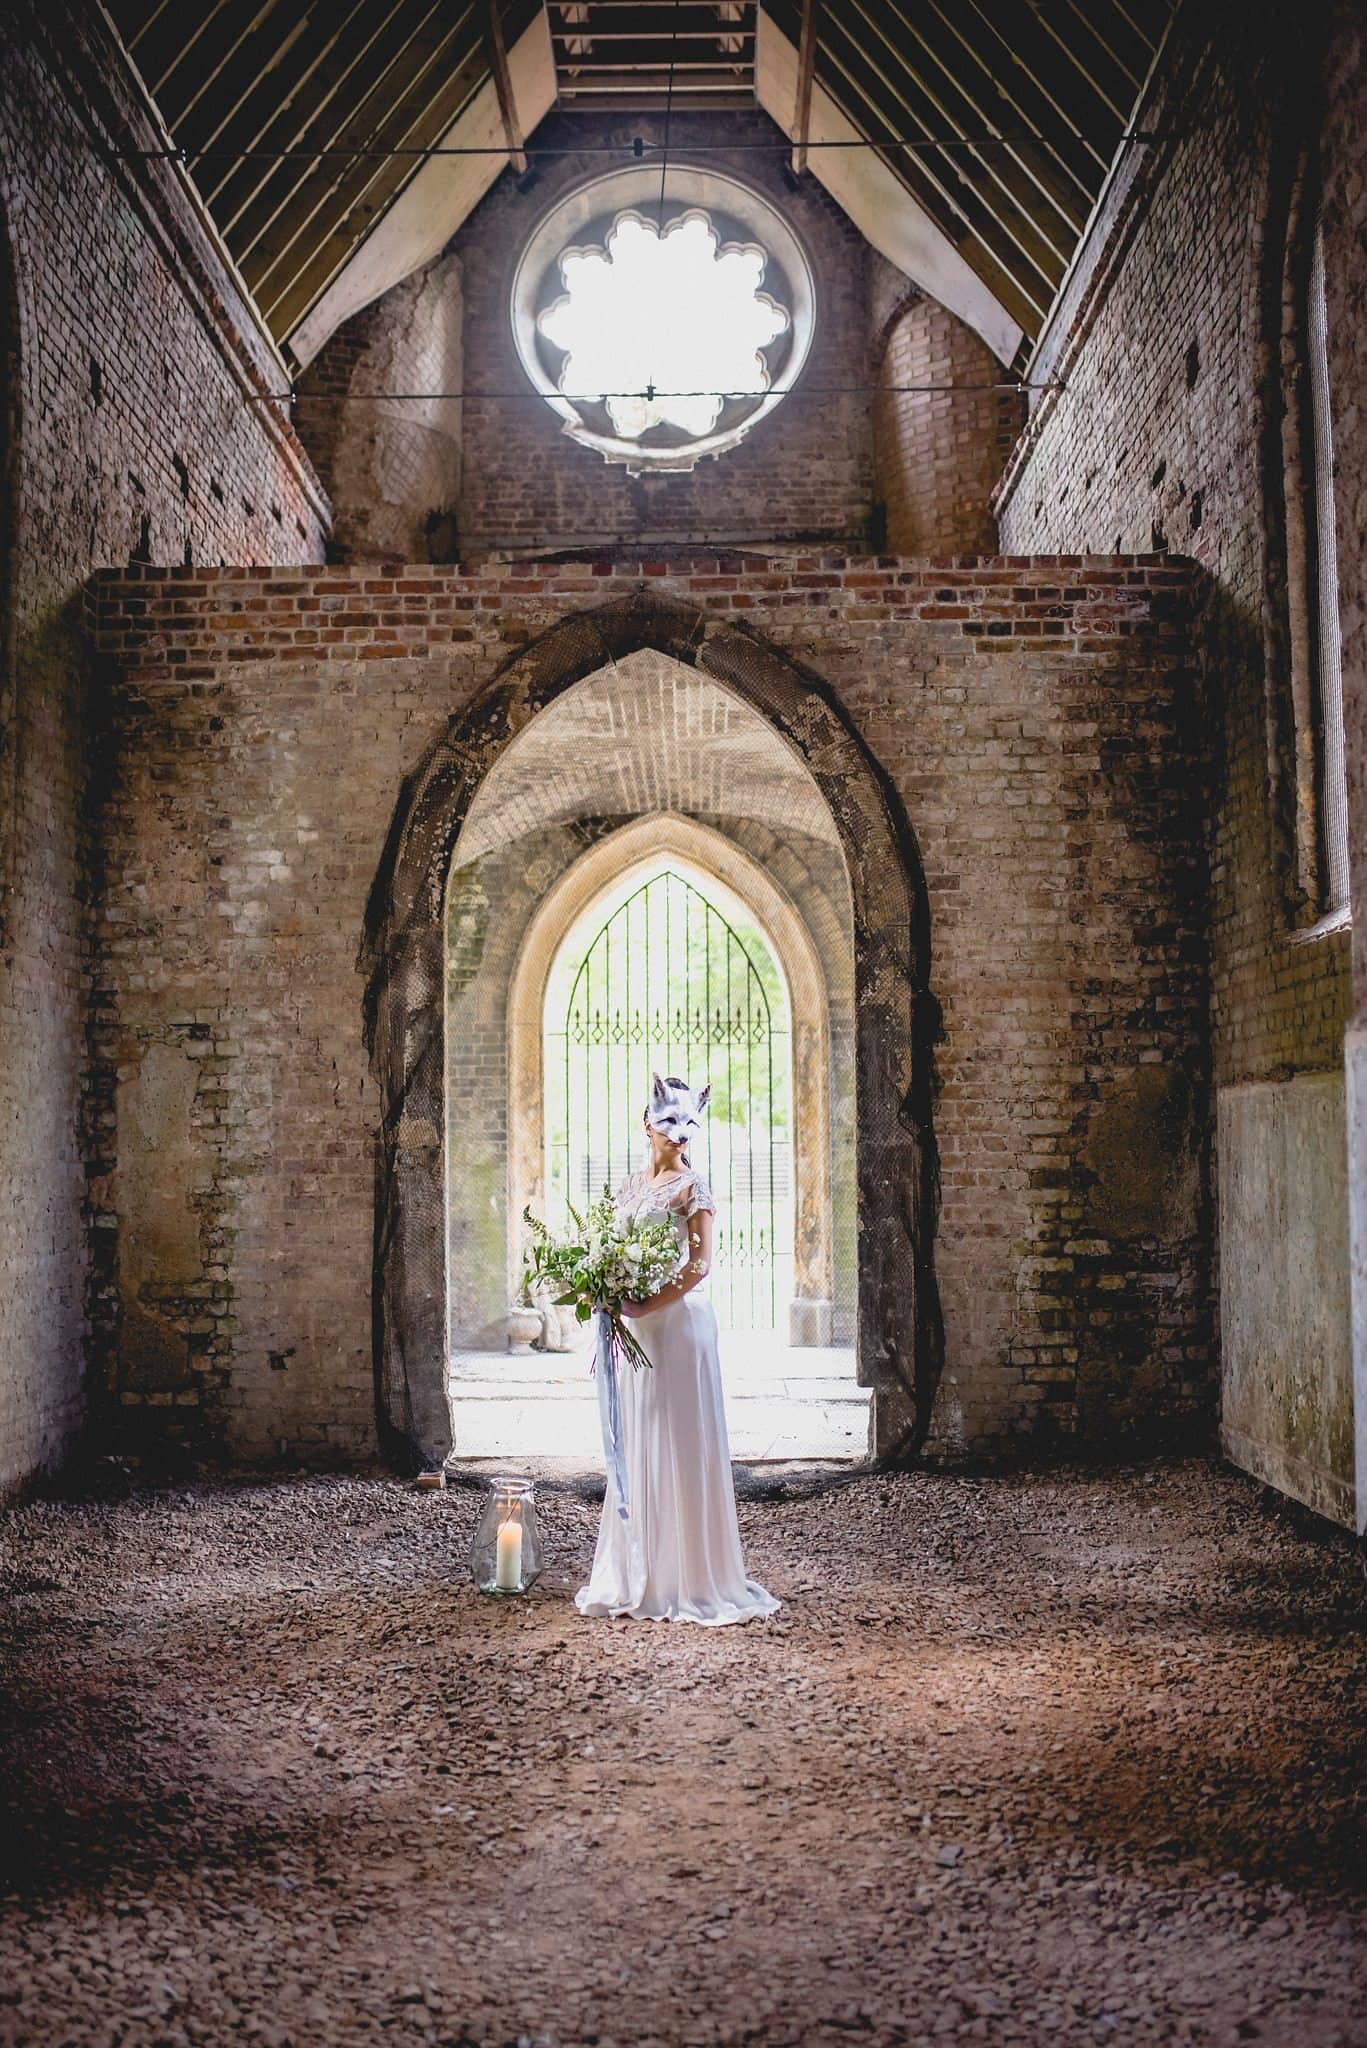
[(663, 332)]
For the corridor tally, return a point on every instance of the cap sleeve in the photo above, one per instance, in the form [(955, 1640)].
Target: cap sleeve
[(697, 1198)]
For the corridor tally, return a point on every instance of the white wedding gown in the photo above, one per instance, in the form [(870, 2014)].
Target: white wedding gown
[(677, 1555)]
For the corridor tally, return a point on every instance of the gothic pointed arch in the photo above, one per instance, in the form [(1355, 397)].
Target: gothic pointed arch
[(402, 953), (637, 848)]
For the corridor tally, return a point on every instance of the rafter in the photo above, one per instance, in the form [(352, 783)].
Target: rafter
[(366, 186), (806, 72), (292, 114), (1031, 237), (503, 84)]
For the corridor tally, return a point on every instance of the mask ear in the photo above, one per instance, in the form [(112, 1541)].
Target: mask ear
[(658, 1092), (704, 1097)]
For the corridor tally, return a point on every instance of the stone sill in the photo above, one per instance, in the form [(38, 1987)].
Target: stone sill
[(1340, 920)]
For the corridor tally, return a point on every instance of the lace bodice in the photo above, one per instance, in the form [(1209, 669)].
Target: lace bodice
[(682, 1195)]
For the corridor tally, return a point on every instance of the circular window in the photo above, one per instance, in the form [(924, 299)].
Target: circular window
[(662, 329)]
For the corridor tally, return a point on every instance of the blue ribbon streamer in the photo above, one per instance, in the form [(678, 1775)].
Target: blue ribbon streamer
[(605, 1368)]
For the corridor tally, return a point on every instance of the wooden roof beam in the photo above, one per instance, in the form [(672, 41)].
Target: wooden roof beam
[(321, 197), (421, 218), (147, 18), (988, 114), (278, 99), (997, 83), (327, 119), (960, 198), (1023, 230), (1132, 78), (209, 83), (161, 36), (806, 72), (503, 85), (445, 87), (1012, 56), (879, 204), (1073, 62)]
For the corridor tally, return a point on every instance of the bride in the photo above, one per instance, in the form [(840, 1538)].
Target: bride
[(676, 1554)]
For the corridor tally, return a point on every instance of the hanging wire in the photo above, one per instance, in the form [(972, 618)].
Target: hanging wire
[(639, 146), (650, 393)]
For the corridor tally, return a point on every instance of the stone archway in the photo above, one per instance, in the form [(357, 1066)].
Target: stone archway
[(402, 956), (636, 846)]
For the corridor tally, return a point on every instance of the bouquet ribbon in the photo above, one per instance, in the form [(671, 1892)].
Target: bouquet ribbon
[(605, 1368)]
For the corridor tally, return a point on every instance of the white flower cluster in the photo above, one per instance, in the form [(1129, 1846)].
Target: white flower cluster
[(632, 1262), (604, 1261)]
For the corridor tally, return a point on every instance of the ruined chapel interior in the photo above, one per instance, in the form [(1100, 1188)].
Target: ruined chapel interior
[(816, 546)]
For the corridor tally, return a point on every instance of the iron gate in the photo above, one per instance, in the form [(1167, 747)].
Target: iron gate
[(669, 985)]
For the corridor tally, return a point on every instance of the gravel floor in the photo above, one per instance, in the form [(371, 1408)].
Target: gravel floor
[(1063, 1759)]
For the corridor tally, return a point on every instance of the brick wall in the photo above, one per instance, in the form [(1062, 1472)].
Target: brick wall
[(1345, 232), (1345, 235), (132, 364), (1035, 718), (939, 453), (1174, 430), (804, 472), (1158, 440), (919, 468), (391, 466)]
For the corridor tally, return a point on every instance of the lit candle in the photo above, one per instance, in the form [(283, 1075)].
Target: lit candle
[(508, 1557)]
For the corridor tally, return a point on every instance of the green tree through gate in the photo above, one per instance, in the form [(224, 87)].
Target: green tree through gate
[(659, 976)]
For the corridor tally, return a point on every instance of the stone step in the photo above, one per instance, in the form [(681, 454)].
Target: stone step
[(501, 1419)]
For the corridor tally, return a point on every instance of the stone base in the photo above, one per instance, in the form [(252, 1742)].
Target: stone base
[(810, 1324), (781, 1405)]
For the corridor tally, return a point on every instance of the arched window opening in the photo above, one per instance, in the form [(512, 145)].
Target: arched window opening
[(662, 324), (1326, 636), (663, 316), (673, 975)]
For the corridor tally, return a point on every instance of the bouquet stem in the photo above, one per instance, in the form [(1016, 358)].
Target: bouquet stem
[(620, 1342)]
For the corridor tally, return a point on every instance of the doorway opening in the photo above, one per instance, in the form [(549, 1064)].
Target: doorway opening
[(639, 733), (670, 974), (648, 880)]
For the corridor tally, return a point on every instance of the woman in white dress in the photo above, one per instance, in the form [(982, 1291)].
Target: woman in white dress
[(676, 1554)]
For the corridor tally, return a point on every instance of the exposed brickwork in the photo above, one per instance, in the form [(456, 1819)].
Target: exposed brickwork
[(1345, 238), (805, 472), (135, 363), (1344, 169), (939, 456), (1036, 721), (1157, 441), (1182, 350), (391, 465), (647, 736)]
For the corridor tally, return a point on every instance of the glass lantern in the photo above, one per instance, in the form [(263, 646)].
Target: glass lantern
[(505, 1552)]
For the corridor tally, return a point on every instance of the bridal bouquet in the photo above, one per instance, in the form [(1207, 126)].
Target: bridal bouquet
[(600, 1264)]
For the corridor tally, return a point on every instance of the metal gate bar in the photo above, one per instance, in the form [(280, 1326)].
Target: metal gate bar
[(615, 1032)]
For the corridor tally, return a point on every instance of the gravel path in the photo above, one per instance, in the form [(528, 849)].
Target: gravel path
[(1063, 1759)]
